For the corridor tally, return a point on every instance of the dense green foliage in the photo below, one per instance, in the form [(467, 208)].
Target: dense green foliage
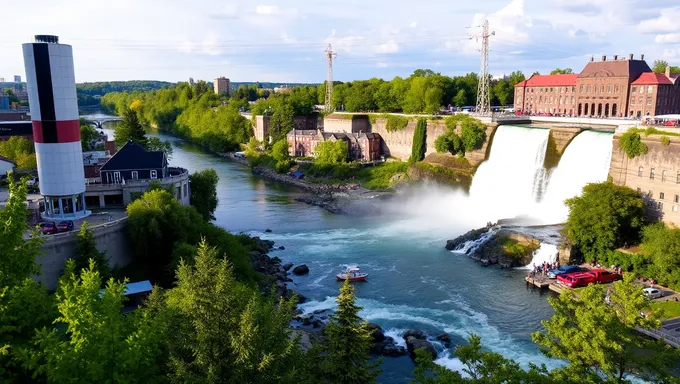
[(600, 338), (130, 129), (659, 66), (440, 174), (662, 248), (395, 122), (606, 216), (88, 134), (472, 135), (24, 304), (665, 140), (20, 150), (86, 251), (419, 141), (346, 358), (193, 112), (280, 154), (204, 192), (158, 224), (103, 87), (560, 71), (331, 152), (632, 144)]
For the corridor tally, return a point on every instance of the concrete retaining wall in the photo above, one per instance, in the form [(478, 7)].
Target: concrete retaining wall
[(58, 248)]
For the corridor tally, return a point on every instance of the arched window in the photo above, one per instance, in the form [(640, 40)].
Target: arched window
[(642, 169)]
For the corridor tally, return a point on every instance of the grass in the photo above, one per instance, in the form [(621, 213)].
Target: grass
[(378, 177), (667, 309), (443, 175)]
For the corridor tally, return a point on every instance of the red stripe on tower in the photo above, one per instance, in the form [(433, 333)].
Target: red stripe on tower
[(66, 131)]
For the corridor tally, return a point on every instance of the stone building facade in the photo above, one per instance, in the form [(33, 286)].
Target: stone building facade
[(620, 87), (361, 146)]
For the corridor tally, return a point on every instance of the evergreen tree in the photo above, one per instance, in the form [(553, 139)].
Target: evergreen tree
[(347, 359), (130, 128), (86, 250), (419, 146)]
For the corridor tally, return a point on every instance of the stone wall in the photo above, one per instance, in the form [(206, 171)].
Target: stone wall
[(655, 174), (559, 139), (58, 248)]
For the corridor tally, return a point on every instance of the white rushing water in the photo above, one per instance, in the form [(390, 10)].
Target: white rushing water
[(513, 177), (585, 160), (546, 253)]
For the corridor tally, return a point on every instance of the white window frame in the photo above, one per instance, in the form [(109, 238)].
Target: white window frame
[(153, 174), (116, 177), (135, 175)]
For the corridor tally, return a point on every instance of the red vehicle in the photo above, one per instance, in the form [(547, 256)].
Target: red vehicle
[(48, 227), (575, 280), (603, 277)]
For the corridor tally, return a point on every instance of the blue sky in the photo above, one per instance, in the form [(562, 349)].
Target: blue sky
[(283, 41)]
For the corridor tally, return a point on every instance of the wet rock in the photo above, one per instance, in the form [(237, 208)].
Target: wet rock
[(472, 235), (267, 230), (281, 248), (276, 260), (287, 266), (388, 348), (376, 332), (301, 270), (416, 333), (413, 344), (445, 339)]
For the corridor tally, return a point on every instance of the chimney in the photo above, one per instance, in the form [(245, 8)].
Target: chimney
[(668, 71), (592, 58), (642, 57), (616, 57), (630, 57), (604, 58)]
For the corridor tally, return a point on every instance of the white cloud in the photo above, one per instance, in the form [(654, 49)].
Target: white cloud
[(381, 64), (267, 9), (388, 47), (669, 38), (413, 24)]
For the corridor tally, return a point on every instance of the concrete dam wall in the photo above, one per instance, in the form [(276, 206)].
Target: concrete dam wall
[(58, 248)]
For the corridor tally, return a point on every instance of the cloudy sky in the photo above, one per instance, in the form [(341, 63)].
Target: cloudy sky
[(283, 41)]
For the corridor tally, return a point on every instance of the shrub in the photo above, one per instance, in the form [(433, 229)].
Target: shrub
[(665, 140), (396, 123), (632, 144), (280, 150), (331, 152)]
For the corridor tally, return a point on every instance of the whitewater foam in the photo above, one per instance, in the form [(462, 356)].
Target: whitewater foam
[(546, 253)]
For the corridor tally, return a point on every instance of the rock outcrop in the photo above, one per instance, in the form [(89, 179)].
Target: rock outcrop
[(472, 235), (413, 344), (302, 269), (505, 248)]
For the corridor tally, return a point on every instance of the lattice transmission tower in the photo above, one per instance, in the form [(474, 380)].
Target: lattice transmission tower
[(330, 55), (483, 102)]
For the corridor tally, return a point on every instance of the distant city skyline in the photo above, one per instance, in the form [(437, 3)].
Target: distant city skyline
[(284, 41)]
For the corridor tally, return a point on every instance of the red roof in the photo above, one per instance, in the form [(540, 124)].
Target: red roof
[(651, 78), (549, 81)]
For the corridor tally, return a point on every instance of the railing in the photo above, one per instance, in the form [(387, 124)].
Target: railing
[(183, 173)]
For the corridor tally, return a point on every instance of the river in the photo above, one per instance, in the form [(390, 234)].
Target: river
[(414, 282)]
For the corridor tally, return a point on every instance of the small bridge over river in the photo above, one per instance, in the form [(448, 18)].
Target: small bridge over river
[(98, 123)]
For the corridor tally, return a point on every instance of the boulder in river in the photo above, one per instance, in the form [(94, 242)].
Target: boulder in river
[(376, 332), (287, 266), (302, 269), (458, 242), (412, 344), (445, 339), (417, 333), (388, 348)]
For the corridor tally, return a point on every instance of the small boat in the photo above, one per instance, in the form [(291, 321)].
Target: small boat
[(353, 274)]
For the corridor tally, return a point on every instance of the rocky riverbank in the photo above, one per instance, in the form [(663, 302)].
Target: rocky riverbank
[(493, 245), (338, 199)]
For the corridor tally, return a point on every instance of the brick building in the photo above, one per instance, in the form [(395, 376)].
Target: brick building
[(221, 86), (361, 146), (621, 87)]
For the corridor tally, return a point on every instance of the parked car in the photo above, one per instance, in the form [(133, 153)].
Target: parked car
[(575, 280), (563, 270), (652, 293), (603, 277), (65, 226), (48, 227)]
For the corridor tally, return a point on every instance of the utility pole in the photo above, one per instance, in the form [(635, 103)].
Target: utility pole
[(483, 103), (330, 55)]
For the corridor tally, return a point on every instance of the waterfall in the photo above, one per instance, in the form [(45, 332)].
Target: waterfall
[(545, 253), (513, 178), (585, 160)]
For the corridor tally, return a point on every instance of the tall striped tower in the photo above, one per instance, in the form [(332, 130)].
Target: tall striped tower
[(51, 84)]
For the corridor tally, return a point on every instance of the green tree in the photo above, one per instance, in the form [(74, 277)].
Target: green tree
[(419, 141), (130, 128), (98, 343), (282, 121), (156, 144), (223, 331), (560, 71), (598, 338), (88, 134), (204, 192), (20, 150), (460, 100), (606, 216), (252, 147), (280, 150), (659, 66), (472, 134), (433, 97), (516, 77), (631, 143), (347, 359), (86, 250), (331, 152), (662, 245), (503, 92), (24, 304)]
